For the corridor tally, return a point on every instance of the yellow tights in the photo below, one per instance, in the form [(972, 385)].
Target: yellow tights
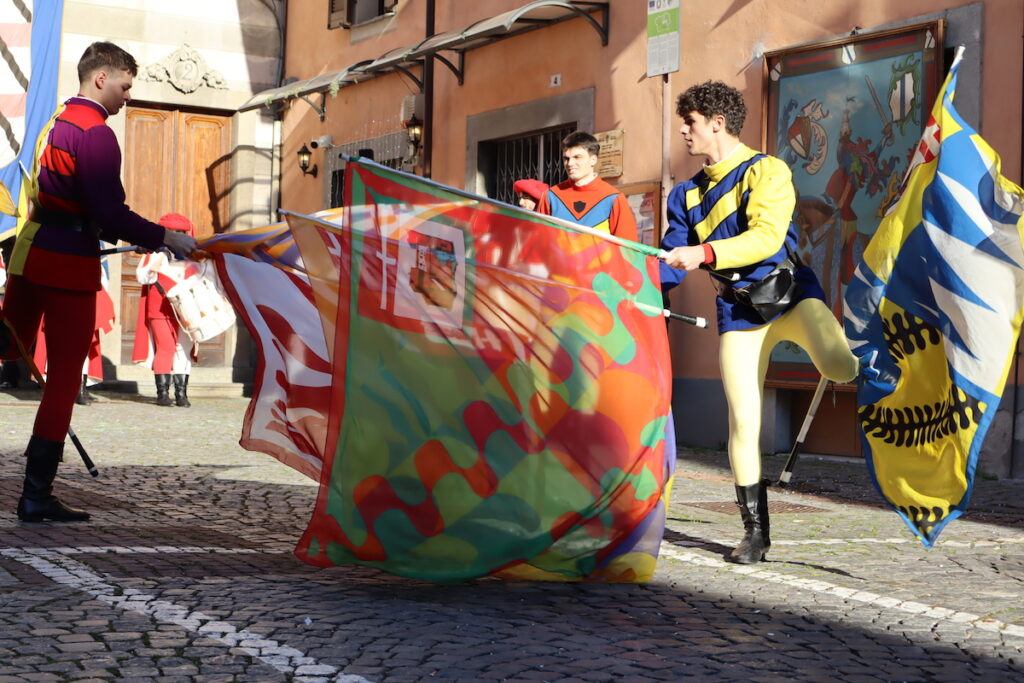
[(744, 358)]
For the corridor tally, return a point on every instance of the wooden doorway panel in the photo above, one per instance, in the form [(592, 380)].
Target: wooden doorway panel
[(206, 192), (174, 161)]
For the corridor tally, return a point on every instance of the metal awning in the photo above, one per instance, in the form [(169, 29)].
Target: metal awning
[(531, 16), (302, 89), (528, 17), (392, 60)]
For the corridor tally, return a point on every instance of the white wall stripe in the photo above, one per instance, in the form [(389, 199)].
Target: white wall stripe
[(61, 569), (990, 543), (757, 571)]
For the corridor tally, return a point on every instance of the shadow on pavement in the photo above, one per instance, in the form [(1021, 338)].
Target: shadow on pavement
[(177, 537)]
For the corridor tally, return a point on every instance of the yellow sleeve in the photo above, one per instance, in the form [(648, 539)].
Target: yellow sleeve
[(769, 212)]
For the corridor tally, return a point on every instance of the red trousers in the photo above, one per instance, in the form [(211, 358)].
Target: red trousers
[(70, 318), (165, 341)]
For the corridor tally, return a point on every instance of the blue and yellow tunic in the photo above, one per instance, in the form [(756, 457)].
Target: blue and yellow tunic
[(743, 206)]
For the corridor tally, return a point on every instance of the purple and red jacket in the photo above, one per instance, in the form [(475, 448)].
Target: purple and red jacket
[(81, 200)]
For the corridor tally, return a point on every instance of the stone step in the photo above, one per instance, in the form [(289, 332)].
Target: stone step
[(195, 389), (204, 382)]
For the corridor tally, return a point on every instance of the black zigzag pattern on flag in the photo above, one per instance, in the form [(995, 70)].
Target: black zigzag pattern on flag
[(19, 75), (24, 9)]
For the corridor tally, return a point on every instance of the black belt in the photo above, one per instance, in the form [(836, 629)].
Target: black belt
[(728, 293), (61, 219)]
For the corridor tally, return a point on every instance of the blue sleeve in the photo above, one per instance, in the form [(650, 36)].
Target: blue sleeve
[(677, 235)]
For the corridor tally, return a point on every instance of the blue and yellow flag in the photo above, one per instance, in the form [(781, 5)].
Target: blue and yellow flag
[(933, 313), (30, 33)]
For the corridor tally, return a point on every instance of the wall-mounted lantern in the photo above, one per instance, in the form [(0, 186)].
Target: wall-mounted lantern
[(304, 158)]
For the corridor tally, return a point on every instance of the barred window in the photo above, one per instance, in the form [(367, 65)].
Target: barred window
[(534, 155)]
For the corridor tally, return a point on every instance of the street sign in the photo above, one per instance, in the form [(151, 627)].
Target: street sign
[(662, 37)]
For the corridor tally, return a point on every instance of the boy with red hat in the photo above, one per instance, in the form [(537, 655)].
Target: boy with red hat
[(159, 339), (528, 192)]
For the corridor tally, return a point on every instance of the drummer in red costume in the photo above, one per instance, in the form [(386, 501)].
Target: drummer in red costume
[(77, 198), (585, 198), (159, 340)]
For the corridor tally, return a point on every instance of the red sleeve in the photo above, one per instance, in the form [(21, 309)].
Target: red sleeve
[(622, 223), (544, 206), (709, 252)]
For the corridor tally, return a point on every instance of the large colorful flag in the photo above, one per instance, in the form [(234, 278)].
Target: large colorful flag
[(30, 33), (934, 312), (499, 386)]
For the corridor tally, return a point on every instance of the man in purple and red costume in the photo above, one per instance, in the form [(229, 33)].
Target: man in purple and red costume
[(77, 198)]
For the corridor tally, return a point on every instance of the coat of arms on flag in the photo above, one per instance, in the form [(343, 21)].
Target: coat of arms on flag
[(934, 312)]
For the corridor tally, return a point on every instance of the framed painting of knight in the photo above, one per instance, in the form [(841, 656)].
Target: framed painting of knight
[(846, 114)]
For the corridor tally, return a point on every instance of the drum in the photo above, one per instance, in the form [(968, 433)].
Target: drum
[(199, 303)]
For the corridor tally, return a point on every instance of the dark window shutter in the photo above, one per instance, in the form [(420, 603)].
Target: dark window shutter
[(339, 14)]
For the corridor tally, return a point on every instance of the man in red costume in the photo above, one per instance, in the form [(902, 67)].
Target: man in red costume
[(584, 198), (159, 339), (77, 199)]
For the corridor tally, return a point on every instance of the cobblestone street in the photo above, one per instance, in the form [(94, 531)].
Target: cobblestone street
[(185, 573)]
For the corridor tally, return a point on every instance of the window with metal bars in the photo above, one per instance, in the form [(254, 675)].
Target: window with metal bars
[(338, 174), (533, 155)]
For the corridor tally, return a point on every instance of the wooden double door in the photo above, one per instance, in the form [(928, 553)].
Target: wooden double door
[(175, 161)]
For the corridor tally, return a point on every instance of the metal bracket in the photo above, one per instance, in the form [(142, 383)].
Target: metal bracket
[(411, 75), (602, 28), (460, 70), (319, 109)]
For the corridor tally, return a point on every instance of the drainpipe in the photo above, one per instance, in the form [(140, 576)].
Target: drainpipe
[(428, 97), (276, 9), (275, 170)]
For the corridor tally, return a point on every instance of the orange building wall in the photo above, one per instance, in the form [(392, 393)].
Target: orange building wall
[(723, 41)]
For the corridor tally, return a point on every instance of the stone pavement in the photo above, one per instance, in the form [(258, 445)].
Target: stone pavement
[(185, 573)]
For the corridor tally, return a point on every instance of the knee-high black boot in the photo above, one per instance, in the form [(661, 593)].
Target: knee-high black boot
[(753, 502), (84, 398), (6, 343), (181, 391), (163, 389), (37, 501), (762, 508)]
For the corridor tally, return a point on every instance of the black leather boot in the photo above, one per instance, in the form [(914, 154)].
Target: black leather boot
[(84, 398), (753, 502), (163, 388), (37, 501), (762, 508), (6, 343), (181, 391)]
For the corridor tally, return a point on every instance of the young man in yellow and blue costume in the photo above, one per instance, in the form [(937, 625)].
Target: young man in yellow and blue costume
[(734, 218)]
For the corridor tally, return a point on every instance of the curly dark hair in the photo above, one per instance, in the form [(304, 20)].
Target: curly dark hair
[(581, 138), (712, 98), (103, 55)]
